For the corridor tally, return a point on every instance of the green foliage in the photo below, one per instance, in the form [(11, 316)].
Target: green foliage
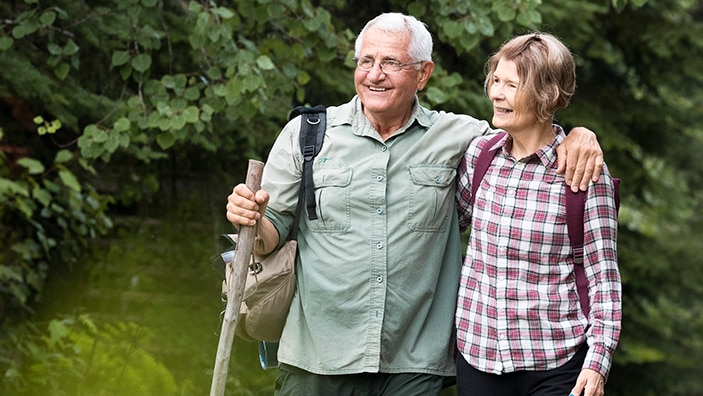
[(48, 216), (77, 356)]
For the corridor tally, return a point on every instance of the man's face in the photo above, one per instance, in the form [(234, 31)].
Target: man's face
[(388, 95)]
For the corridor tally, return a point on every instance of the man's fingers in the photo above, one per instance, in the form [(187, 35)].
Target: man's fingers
[(242, 209), (598, 168), (238, 220), (590, 173)]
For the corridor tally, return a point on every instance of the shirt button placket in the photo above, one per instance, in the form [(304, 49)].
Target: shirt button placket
[(377, 236)]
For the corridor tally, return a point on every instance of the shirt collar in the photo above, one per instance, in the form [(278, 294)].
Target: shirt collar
[(351, 115), (547, 154)]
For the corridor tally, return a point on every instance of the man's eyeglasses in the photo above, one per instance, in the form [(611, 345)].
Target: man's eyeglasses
[(387, 66)]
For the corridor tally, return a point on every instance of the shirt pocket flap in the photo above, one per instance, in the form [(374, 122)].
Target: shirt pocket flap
[(332, 177), (438, 176)]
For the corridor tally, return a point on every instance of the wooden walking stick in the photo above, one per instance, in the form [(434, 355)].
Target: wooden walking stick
[(235, 288)]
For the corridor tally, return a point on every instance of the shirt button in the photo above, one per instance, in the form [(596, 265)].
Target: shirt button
[(379, 210), (384, 148), (379, 245), (436, 180), (379, 178), (379, 279)]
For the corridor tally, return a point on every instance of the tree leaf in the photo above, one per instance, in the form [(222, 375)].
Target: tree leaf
[(165, 139), (69, 180), (6, 43), (33, 166), (61, 71), (141, 62), (43, 196), (265, 63), (63, 156), (119, 58), (57, 331), (121, 125)]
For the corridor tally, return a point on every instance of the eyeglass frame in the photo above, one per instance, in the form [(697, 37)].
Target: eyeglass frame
[(400, 66)]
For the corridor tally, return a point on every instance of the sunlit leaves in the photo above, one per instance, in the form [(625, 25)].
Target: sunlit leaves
[(63, 156), (9, 187), (69, 180), (32, 165), (57, 331), (45, 127), (121, 125), (264, 63)]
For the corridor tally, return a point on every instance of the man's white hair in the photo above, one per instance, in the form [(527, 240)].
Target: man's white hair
[(420, 48)]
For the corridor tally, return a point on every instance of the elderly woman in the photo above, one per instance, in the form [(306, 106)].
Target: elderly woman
[(520, 327)]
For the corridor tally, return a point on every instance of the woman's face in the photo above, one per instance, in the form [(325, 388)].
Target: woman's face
[(509, 112)]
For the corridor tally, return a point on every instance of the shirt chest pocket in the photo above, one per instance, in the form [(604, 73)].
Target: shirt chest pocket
[(550, 195), (431, 197), (332, 197)]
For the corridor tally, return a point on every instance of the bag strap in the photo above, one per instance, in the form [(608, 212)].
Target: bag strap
[(575, 207), (485, 158), (575, 211), (312, 134)]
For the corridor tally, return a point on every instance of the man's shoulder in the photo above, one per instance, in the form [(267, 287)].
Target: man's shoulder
[(461, 123), (341, 114), (458, 118)]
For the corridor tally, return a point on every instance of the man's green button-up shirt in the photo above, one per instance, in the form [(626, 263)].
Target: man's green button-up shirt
[(378, 271)]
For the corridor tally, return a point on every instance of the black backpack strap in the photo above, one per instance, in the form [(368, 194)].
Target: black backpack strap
[(312, 134)]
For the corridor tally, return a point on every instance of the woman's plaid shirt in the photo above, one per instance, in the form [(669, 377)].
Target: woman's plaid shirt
[(518, 306)]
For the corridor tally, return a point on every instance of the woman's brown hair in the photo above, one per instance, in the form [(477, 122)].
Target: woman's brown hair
[(546, 69)]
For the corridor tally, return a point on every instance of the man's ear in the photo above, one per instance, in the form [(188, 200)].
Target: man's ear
[(424, 74)]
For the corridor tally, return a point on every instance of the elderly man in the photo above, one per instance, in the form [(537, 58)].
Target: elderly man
[(378, 270)]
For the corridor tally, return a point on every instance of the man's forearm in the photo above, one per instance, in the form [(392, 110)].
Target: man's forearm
[(266, 237)]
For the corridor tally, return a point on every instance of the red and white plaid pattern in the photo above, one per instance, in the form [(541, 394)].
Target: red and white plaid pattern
[(518, 306)]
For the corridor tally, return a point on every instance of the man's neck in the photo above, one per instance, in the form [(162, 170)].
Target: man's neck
[(387, 126)]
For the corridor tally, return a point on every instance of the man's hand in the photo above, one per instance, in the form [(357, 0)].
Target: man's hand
[(580, 158), (244, 207), (589, 383)]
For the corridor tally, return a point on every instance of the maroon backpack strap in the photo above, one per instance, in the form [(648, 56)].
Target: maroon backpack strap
[(575, 208), (484, 160), (575, 218)]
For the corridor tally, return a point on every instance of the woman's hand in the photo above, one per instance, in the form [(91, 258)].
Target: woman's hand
[(589, 383)]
